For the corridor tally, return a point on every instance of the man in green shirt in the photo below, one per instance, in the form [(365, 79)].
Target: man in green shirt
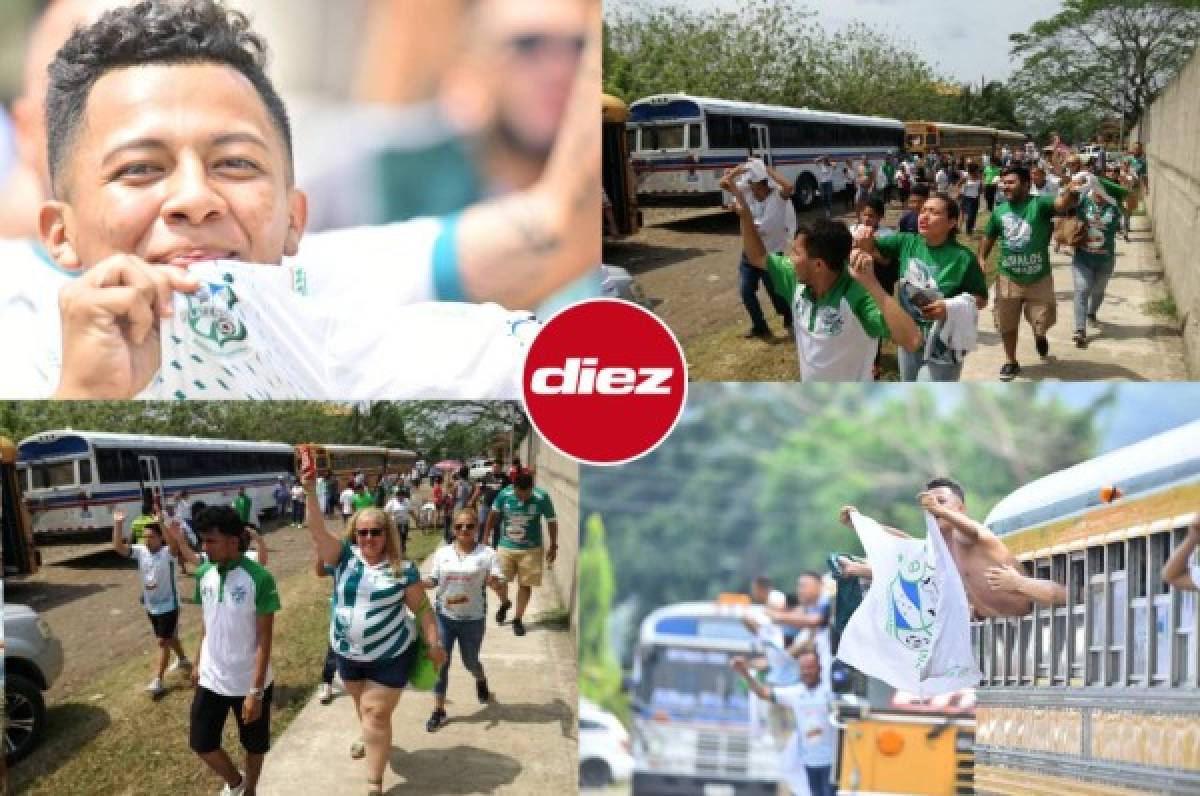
[(990, 172), (519, 510), (363, 498), (838, 311), (1024, 281), (243, 505)]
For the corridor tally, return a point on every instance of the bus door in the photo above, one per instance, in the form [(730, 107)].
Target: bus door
[(151, 480), (20, 556), (760, 143)]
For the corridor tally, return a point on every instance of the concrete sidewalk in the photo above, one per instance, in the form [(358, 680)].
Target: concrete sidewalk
[(1130, 344), (525, 741)]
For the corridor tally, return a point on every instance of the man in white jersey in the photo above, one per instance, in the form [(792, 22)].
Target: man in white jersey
[(210, 179), (1177, 571), (156, 566), (233, 671)]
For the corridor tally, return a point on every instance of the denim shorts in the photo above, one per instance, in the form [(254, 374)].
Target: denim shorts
[(392, 672)]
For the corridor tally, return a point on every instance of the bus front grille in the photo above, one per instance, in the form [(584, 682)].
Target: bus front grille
[(722, 755)]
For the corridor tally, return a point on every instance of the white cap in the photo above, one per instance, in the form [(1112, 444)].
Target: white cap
[(777, 600), (756, 170)]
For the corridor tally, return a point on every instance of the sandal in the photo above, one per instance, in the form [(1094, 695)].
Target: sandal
[(358, 750)]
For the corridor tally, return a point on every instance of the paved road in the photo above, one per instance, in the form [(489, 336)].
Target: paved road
[(526, 741)]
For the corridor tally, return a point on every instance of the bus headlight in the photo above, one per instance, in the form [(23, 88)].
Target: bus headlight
[(890, 743)]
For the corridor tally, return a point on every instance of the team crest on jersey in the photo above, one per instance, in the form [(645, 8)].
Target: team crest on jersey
[(238, 594), (1017, 231), (211, 318), (829, 322), (912, 605)]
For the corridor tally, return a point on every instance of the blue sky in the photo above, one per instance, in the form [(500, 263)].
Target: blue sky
[(966, 39)]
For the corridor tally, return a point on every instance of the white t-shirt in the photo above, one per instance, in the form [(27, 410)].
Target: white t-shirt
[(462, 579), (157, 571), (347, 501), (971, 187), (311, 328), (770, 218), (398, 508), (1195, 572), (297, 494), (232, 604), (814, 732), (824, 173), (943, 180), (29, 313)]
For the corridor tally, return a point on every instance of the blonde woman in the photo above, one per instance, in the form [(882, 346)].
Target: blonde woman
[(376, 596)]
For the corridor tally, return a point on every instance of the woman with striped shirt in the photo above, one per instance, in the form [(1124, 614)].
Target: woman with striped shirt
[(376, 596)]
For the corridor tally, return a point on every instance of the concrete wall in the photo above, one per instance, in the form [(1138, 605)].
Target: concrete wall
[(1170, 132), (559, 476)]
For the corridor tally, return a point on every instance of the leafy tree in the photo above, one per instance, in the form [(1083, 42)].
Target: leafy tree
[(599, 673), (1108, 58), (992, 106)]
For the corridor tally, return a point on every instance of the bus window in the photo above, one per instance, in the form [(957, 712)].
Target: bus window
[(694, 141), (85, 471), (662, 137), (57, 474), (631, 139)]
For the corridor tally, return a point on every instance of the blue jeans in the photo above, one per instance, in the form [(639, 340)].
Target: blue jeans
[(913, 367), (818, 781), (748, 279), (1092, 272), (485, 508), (827, 197), (970, 209), (469, 635)]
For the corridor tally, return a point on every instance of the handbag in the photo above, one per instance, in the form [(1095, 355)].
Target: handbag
[(423, 675)]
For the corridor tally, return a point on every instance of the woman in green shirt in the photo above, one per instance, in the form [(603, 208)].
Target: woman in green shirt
[(1094, 260), (932, 266)]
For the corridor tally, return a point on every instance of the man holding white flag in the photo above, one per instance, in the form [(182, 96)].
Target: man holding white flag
[(912, 630)]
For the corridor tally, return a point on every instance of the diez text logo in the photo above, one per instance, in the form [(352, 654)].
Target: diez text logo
[(605, 381)]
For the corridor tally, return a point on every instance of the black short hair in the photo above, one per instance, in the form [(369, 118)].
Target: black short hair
[(219, 519), (829, 240), (523, 481), (1021, 172), (153, 32), (921, 189), (810, 573), (877, 206), (950, 484), (762, 581), (152, 526)]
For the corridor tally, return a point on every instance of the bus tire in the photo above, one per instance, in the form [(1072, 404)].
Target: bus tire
[(594, 774), (806, 193)]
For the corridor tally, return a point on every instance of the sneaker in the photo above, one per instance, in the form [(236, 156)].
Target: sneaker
[(229, 790), (503, 612), (1080, 339), (518, 627), (1009, 371), (437, 720), (358, 750), (155, 689), (180, 663), (1042, 345), (481, 691), (325, 694)]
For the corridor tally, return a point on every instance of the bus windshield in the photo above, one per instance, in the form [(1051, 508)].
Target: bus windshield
[(56, 474), (692, 684), (665, 136)]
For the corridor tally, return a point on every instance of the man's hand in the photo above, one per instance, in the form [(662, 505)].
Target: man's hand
[(844, 516), (1003, 577), (935, 310), (862, 270), (1194, 529), (929, 502), (437, 654), (862, 233), (110, 319), (118, 517), (251, 709)]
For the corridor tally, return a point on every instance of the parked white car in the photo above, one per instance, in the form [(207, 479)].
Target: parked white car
[(604, 756)]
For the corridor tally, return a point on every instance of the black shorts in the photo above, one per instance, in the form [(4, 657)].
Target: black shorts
[(164, 624), (392, 672), (209, 710)]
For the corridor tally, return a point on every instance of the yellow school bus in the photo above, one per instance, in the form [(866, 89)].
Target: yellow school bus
[(1101, 695), (619, 184)]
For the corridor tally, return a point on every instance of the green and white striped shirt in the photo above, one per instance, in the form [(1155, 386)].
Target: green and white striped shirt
[(370, 621)]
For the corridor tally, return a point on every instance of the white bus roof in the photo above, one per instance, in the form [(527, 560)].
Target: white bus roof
[(770, 111), (1159, 461), (112, 440), (700, 624)]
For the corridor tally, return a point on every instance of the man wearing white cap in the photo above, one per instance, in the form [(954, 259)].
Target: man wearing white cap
[(775, 220)]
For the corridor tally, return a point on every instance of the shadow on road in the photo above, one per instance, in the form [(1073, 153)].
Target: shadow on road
[(45, 596), (641, 258), (68, 727), (458, 770), (496, 712)]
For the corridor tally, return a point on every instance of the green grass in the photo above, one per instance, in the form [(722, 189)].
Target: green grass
[(111, 738), (1163, 308)]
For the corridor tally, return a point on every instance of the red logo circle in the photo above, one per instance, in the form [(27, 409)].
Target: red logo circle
[(604, 381)]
